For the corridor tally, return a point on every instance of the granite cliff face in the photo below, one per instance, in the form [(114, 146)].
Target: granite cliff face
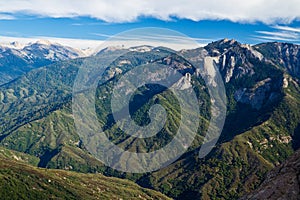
[(235, 59), (243, 66), (284, 55)]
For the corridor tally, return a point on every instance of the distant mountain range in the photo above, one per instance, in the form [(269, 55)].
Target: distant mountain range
[(17, 59), (261, 131)]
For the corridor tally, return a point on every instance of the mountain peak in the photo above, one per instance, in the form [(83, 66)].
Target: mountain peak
[(13, 45), (285, 55), (43, 42), (226, 40), (221, 46), (224, 43), (142, 48), (17, 45), (112, 49)]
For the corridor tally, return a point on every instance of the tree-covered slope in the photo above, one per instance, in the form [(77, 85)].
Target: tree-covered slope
[(19, 180), (260, 132), (281, 182)]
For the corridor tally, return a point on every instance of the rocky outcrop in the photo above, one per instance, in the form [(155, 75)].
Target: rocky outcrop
[(282, 54), (283, 182), (184, 83), (255, 96), (235, 59)]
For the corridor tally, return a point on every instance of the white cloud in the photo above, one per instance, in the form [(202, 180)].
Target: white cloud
[(6, 17), (96, 45), (284, 34), (287, 28), (274, 38), (151, 36), (280, 33), (267, 11)]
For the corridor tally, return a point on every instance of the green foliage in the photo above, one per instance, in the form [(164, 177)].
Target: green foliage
[(253, 140), (20, 181)]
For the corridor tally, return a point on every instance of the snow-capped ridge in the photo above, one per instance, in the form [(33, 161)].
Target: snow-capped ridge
[(143, 48), (112, 49), (44, 42), (12, 45)]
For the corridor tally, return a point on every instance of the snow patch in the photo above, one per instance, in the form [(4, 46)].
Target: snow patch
[(141, 49)]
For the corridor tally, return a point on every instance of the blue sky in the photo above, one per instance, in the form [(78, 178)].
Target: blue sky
[(88, 28), (29, 19)]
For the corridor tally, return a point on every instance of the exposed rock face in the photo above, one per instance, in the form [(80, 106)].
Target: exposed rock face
[(235, 59), (283, 54), (184, 82), (254, 96), (283, 182)]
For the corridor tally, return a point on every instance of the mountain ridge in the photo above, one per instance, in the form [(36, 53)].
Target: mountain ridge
[(22, 181), (281, 182), (260, 130), (17, 59)]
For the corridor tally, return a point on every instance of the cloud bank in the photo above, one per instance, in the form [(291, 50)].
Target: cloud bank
[(118, 11)]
